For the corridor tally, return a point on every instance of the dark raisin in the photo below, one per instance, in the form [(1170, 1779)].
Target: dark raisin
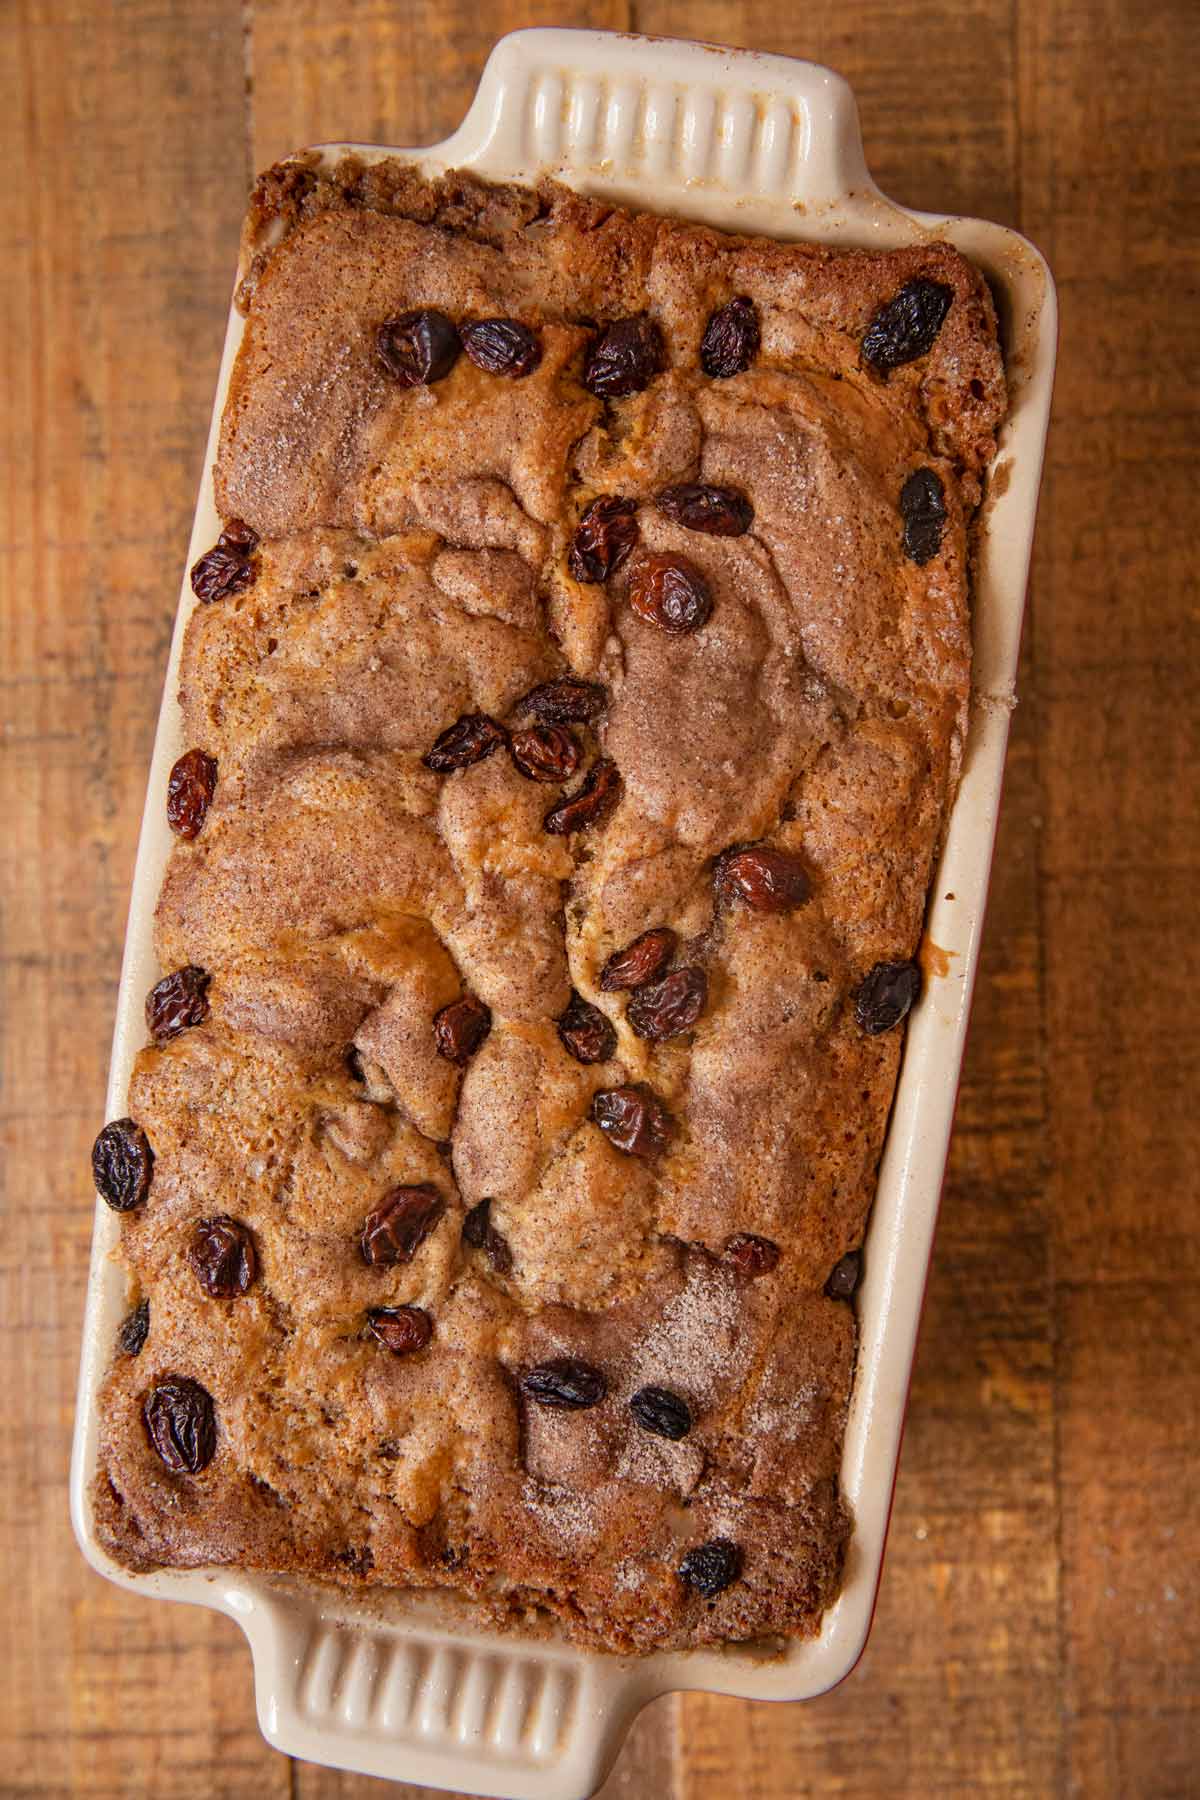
[(565, 702), (223, 1256), (750, 1254), (499, 1254), (885, 995), (731, 339), (545, 752), (181, 1424), (399, 1225), (467, 741), (418, 348), (475, 1225), (710, 1568), (671, 593), (190, 788), (586, 1032), (565, 1383), (501, 346), (603, 538), (670, 1006), (624, 358), (237, 535), (763, 878), (480, 1234), (906, 327), (720, 511), (400, 1329), (134, 1330), (176, 1002), (641, 961), (227, 568), (599, 794), (460, 1028), (662, 1412), (923, 509), (633, 1120), (122, 1163), (845, 1275)]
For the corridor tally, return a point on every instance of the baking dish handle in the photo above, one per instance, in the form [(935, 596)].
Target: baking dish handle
[(504, 1717), (763, 126)]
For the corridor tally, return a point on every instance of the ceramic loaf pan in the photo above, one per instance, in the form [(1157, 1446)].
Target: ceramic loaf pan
[(402, 1685)]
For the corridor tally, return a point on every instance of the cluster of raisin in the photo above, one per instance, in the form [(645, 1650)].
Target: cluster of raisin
[(419, 348)]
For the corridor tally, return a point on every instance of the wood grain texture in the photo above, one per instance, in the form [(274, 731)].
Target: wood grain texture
[(1110, 191), (124, 165), (1037, 1629)]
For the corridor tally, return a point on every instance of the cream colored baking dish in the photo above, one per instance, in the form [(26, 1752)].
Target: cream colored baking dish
[(411, 1687)]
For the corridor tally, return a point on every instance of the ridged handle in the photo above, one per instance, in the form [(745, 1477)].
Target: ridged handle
[(504, 1717), (761, 126)]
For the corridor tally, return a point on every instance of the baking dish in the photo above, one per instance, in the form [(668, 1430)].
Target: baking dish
[(410, 1686)]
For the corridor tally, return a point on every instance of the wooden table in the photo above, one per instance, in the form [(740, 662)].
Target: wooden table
[(1038, 1631)]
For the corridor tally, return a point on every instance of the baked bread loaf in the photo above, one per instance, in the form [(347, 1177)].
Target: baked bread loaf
[(572, 706)]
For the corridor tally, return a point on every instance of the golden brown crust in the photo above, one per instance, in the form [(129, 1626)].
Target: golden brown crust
[(413, 570)]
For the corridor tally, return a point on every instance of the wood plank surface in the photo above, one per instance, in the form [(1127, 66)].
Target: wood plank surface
[(124, 158), (1038, 1631)]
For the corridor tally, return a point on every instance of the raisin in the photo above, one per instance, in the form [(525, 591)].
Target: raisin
[(710, 1568), (467, 741), (671, 593), (499, 1254), (545, 752), (501, 346), (731, 339), (603, 538), (134, 1330), (418, 348), (641, 961), (750, 1254), (476, 1225), (719, 511), (906, 327), (565, 1383), (460, 1028), (764, 879), (885, 995), (237, 535), (565, 702), (400, 1329), (633, 1120), (670, 1006), (586, 1032), (624, 358), (399, 1225), (662, 1412), (122, 1163), (223, 1256), (845, 1276), (599, 794), (226, 568), (923, 509), (480, 1234), (176, 1002), (190, 788), (181, 1424)]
